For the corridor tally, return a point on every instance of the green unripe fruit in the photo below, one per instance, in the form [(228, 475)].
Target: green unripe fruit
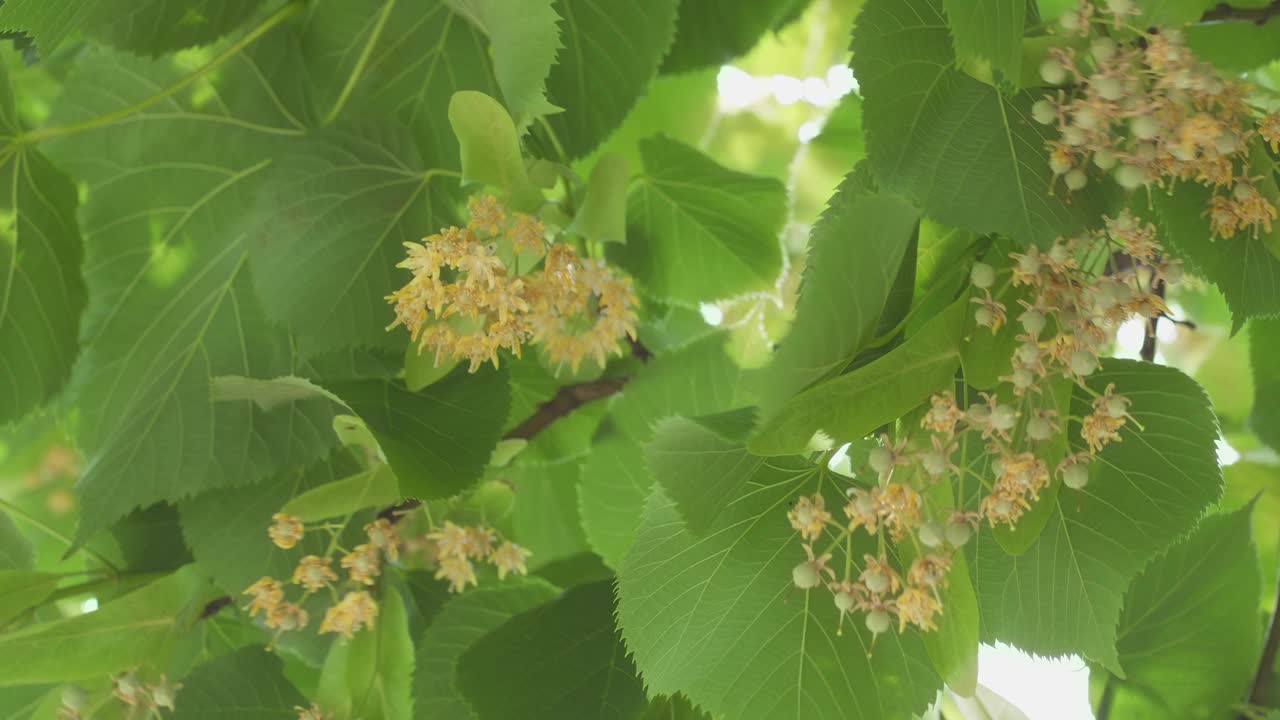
[(1108, 88), (880, 459), (1076, 179), (877, 621), (1028, 353), (984, 317), (806, 576), (1075, 476), (1003, 417), (958, 532), (1074, 136), (1044, 112), (1083, 363), (1033, 321), (1117, 407), (1039, 429), (877, 583), (1144, 127), (1102, 49), (1130, 177), (982, 275), (931, 534), (934, 463), (1052, 72)]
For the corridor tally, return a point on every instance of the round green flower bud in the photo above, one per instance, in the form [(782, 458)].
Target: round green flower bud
[(1076, 179), (880, 459), (1102, 49), (877, 583), (982, 275), (806, 576), (1039, 428), (1075, 476), (1044, 112), (1104, 159), (1053, 72), (878, 621), (844, 601), (958, 532), (1130, 177), (931, 534), (1144, 127), (1033, 321), (1083, 363)]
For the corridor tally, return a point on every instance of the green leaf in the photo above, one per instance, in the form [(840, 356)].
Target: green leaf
[(853, 405), (505, 673), (696, 380), (339, 208), (23, 589), (717, 617), (148, 26), (16, 552), (713, 32), (525, 36), (247, 684), (988, 31), (490, 147), (855, 252), (969, 156), (266, 394), (41, 293), (171, 298), (424, 53), (1064, 594), (376, 487), (603, 215), (1264, 348), (698, 469), (546, 520), (464, 620), (611, 52), (369, 678), (136, 629), (1188, 637), (1171, 12), (439, 440), (699, 231), (1234, 47), (1243, 268), (226, 529)]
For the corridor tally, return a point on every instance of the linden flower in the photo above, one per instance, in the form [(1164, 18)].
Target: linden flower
[(126, 688), (861, 510), (286, 616), (458, 570), (362, 563), (509, 558), (312, 713), (943, 414), (163, 693), (929, 571), (450, 541), (487, 214), (917, 607), (313, 573), (267, 592), (899, 508), (354, 612), (479, 542), (878, 576), (527, 233), (1269, 129), (382, 535), (810, 517), (285, 531)]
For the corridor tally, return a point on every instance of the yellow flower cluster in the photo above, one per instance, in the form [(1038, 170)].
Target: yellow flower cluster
[(465, 301), (1150, 113), (1077, 292), (314, 573), (879, 590), (454, 547)]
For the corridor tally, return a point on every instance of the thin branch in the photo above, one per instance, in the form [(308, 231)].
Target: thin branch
[(1148, 351), (566, 400), (1226, 13), (1266, 664)]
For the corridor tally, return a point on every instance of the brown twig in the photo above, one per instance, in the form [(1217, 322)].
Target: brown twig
[(1266, 664), (566, 400), (1227, 13), (1148, 351)]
